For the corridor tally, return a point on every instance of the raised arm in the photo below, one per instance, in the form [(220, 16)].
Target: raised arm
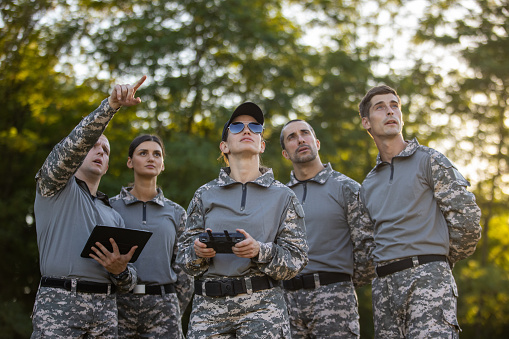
[(67, 156)]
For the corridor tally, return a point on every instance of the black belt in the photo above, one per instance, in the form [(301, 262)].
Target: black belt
[(232, 287), (308, 280), (403, 264), (81, 286), (153, 289)]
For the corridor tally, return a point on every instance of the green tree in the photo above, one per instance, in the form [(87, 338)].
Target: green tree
[(38, 104), (478, 98), (203, 58)]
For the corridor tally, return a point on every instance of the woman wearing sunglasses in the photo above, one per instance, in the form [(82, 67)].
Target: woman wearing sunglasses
[(237, 294)]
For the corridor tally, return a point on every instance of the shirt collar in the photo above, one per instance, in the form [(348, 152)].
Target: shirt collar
[(264, 180), (99, 195), (321, 177), (128, 198), (411, 147)]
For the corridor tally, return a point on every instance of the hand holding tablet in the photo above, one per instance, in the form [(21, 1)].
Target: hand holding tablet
[(125, 238)]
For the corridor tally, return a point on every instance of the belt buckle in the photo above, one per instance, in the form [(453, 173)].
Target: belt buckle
[(67, 284), (139, 289), (71, 285), (317, 281), (227, 287), (74, 286)]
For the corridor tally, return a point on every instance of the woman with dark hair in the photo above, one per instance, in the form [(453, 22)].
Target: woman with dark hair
[(237, 294), (153, 308)]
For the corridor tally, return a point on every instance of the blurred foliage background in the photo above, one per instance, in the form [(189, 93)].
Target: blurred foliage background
[(310, 59)]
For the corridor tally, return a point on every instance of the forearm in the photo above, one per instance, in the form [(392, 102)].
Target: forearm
[(464, 231), (189, 262), (67, 156), (361, 235), (459, 209), (126, 282), (186, 256), (287, 256), (184, 287), (184, 284)]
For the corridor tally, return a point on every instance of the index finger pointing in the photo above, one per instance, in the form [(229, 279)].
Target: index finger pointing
[(138, 84)]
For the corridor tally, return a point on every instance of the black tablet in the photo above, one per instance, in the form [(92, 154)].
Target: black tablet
[(125, 238)]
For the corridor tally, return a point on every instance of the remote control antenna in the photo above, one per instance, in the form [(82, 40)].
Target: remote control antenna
[(210, 235), (227, 235)]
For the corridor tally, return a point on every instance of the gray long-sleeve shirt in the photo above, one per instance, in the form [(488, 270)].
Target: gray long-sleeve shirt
[(66, 212), (340, 238), (264, 208), (166, 219), (420, 205)]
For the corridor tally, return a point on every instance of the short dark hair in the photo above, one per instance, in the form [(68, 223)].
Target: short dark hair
[(141, 139), (281, 137), (365, 104)]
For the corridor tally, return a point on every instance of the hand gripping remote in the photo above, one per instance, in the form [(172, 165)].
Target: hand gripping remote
[(221, 242)]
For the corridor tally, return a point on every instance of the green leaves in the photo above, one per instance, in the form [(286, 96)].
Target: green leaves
[(59, 59)]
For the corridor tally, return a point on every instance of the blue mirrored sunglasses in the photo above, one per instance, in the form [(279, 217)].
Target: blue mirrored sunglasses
[(237, 127)]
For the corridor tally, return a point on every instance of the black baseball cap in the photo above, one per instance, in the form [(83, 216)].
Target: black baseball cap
[(247, 108)]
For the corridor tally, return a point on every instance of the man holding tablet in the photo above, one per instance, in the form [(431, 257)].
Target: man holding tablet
[(76, 296)]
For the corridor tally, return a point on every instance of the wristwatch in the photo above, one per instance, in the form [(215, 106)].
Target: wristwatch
[(121, 275)]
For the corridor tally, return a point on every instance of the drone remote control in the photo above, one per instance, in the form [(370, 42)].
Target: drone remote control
[(221, 242)]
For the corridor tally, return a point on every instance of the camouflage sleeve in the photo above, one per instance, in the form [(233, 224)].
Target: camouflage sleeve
[(67, 156), (126, 283), (458, 207), (186, 256), (361, 234), (184, 284), (285, 258)]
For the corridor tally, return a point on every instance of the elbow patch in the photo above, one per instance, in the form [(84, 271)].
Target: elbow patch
[(452, 172), (298, 207)]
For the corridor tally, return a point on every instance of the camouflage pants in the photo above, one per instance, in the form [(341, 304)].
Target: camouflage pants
[(329, 311), (149, 316), (418, 302), (258, 315), (63, 314)]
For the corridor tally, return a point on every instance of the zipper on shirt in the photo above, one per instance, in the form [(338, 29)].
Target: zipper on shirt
[(243, 200), (144, 221), (392, 171), (305, 192)]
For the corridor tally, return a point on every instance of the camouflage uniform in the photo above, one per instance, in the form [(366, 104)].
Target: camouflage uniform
[(154, 316), (63, 314), (65, 215), (260, 315), (418, 302), (340, 239), (149, 316), (271, 214), (329, 311), (420, 207)]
